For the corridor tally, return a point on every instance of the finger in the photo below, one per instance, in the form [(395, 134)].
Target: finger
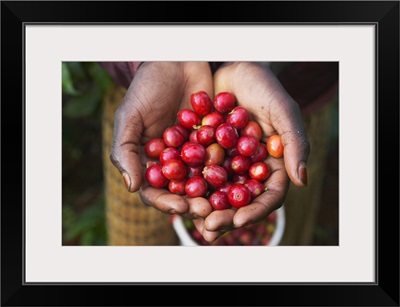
[(220, 220), (223, 77), (199, 207), (199, 78), (276, 188), (125, 146), (163, 200), (209, 236), (295, 142)]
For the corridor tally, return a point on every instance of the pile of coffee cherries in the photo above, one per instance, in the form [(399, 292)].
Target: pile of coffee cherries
[(215, 151)]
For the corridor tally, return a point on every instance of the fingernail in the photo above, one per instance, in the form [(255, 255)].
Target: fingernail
[(303, 173), (127, 181)]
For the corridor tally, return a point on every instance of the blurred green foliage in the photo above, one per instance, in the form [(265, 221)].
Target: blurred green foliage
[(84, 84), (83, 217), (87, 227)]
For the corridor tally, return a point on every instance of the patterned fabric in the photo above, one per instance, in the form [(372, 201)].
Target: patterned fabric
[(121, 72)]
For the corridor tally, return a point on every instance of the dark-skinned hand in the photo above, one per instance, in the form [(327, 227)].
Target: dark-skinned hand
[(157, 92), (258, 90)]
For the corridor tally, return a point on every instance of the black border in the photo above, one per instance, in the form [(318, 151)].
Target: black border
[(383, 14)]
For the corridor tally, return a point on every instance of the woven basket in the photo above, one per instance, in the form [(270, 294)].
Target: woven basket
[(129, 221)]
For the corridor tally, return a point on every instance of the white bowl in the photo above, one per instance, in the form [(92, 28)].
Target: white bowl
[(186, 239)]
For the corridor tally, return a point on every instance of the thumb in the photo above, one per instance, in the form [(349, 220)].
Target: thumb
[(124, 154), (296, 146)]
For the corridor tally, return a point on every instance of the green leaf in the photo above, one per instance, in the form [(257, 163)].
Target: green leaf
[(83, 105), (67, 83), (102, 79), (89, 220), (77, 71), (88, 238), (68, 216)]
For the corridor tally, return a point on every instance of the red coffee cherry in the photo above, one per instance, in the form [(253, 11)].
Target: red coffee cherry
[(215, 175), (238, 117), (184, 131), (193, 136), (224, 102), (188, 118), (252, 128), (196, 187), (259, 171), (240, 164), (174, 169), (260, 155), (247, 145), (173, 137), (193, 154), (239, 195), (154, 147), (155, 177), (256, 187), (205, 135), (219, 200), (226, 135), (201, 102), (177, 186), (213, 119), (168, 154)]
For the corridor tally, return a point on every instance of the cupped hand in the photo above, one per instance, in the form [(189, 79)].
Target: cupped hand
[(258, 90), (156, 94)]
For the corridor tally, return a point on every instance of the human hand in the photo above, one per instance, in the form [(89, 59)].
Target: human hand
[(260, 92), (156, 94)]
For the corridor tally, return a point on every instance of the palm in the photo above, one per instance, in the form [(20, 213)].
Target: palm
[(158, 91), (257, 89)]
